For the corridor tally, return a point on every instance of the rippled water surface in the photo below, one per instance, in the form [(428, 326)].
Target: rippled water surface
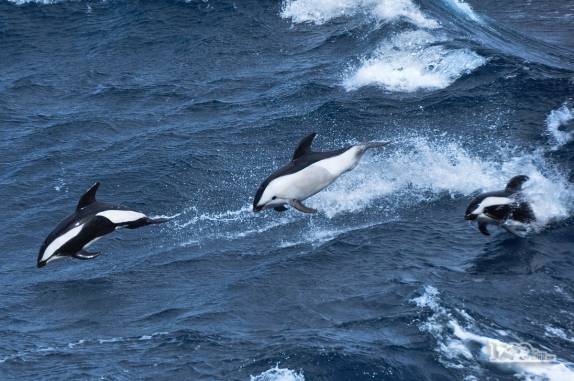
[(182, 108)]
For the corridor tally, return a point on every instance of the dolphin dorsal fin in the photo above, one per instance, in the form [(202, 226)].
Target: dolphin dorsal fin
[(89, 197), (515, 183), (304, 146)]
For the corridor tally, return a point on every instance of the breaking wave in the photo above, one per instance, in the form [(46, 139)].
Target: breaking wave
[(278, 374), (414, 61), (322, 11), (560, 118), (456, 341)]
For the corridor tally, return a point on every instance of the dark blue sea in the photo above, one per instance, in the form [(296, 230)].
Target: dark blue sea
[(182, 108)]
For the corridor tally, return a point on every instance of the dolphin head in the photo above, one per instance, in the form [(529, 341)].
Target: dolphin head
[(41, 261), (267, 197)]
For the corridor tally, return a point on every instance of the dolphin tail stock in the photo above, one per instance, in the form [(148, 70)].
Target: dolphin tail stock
[(370, 145), (146, 221), (300, 207)]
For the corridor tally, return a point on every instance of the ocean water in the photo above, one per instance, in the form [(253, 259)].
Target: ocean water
[(182, 108)]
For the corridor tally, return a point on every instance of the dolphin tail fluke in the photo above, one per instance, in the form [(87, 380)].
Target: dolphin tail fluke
[(302, 208), (482, 228), (83, 254)]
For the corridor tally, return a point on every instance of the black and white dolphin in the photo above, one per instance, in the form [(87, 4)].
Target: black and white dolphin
[(308, 173), (90, 221), (504, 208)]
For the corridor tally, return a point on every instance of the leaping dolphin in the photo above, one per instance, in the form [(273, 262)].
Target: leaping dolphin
[(90, 221), (506, 208), (306, 174)]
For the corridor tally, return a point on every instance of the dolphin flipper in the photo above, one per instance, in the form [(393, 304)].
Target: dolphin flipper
[(482, 228), (280, 208), (83, 254), (300, 207), (516, 229)]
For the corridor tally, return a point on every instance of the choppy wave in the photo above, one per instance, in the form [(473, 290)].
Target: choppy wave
[(22, 2), (322, 11), (414, 170), (421, 170), (414, 61), (279, 374), (465, 9), (558, 332), (560, 118), (453, 331), (407, 62)]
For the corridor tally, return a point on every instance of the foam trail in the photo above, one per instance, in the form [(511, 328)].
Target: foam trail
[(413, 61), (454, 345), (557, 332), (322, 11), (556, 119), (278, 374), (422, 171)]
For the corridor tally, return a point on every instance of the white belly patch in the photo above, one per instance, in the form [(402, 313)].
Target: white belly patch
[(61, 241)]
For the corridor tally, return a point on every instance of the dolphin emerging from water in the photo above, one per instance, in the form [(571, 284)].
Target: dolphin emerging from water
[(307, 173), (506, 208)]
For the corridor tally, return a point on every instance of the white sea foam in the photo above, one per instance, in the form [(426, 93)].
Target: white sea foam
[(453, 334), (412, 61), (278, 374), (322, 11), (413, 171), (421, 171), (557, 332), (465, 9), (555, 120)]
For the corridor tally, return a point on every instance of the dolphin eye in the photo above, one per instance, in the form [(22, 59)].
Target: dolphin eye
[(273, 198)]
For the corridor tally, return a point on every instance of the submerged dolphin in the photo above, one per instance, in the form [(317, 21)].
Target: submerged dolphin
[(308, 173), (506, 208), (90, 221)]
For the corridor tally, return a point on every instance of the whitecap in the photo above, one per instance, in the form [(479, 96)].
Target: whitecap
[(278, 374), (556, 119), (322, 11), (421, 170), (454, 336), (412, 61)]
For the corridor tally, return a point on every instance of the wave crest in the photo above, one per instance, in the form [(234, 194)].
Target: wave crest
[(559, 118), (413, 61), (322, 11), (278, 374)]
